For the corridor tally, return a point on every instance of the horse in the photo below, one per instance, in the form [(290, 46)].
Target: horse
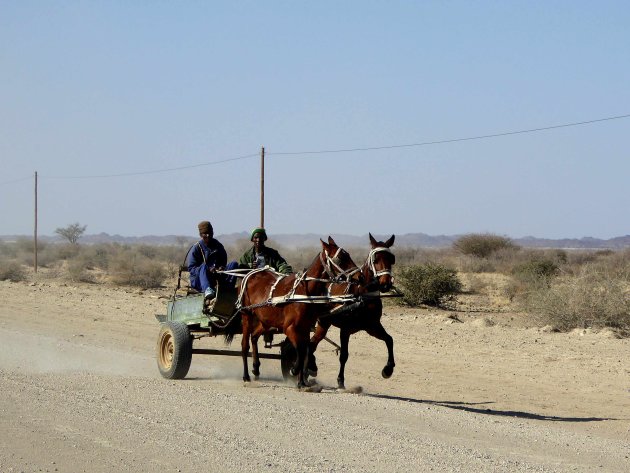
[(295, 312), (377, 275)]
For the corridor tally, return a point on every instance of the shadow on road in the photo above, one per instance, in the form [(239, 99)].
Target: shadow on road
[(468, 407)]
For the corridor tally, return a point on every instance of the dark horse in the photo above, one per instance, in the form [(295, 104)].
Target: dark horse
[(269, 300), (377, 277)]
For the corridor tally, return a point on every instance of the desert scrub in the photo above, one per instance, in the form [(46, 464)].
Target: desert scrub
[(482, 245), (430, 284), (536, 272), (593, 298), (134, 269), (11, 270)]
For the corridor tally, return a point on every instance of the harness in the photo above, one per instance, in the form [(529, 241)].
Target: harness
[(332, 269)]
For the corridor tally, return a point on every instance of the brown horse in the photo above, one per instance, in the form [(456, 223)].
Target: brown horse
[(377, 277), (271, 301)]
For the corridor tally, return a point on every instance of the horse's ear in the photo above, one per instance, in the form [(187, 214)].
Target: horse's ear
[(373, 242), (390, 242), (324, 244), (331, 241)]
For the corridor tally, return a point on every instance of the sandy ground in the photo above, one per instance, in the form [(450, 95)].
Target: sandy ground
[(472, 391)]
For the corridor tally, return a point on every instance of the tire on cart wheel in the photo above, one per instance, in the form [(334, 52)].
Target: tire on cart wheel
[(174, 350), (288, 355)]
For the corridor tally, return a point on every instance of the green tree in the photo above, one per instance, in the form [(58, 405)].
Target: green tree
[(72, 232)]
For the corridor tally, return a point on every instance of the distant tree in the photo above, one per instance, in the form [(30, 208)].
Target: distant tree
[(72, 232), (482, 245)]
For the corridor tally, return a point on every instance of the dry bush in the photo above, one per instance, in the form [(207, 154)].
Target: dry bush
[(97, 256), (8, 250), (11, 270), (77, 271), (476, 284), (472, 264), (134, 269), (594, 298), (482, 245)]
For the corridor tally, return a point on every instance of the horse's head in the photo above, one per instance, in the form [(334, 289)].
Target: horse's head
[(379, 263), (337, 262)]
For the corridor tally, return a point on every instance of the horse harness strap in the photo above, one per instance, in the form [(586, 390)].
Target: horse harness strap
[(331, 263)]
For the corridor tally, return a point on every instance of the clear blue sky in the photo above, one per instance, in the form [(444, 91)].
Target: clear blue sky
[(106, 88)]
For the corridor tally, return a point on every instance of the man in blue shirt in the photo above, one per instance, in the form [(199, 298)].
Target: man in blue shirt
[(204, 258)]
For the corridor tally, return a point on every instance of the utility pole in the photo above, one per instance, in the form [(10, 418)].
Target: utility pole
[(35, 232), (262, 187)]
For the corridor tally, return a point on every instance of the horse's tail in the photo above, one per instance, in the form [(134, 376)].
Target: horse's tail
[(233, 327)]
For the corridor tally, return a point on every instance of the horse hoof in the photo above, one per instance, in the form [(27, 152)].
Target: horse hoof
[(247, 379), (387, 372), (316, 388), (312, 373)]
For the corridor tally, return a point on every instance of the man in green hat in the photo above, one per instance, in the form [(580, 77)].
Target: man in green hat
[(259, 255)]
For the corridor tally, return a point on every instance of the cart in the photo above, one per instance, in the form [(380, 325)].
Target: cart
[(190, 317)]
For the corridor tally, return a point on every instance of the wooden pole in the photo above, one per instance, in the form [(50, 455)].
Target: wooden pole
[(35, 231), (262, 187)]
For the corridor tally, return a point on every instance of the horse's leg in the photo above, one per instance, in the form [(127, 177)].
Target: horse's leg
[(344, 340), (255, 360), (245, 345), (378, 331), (301, 347), (320, 332)]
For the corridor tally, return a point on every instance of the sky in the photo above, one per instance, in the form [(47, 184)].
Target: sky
[(145, 117)]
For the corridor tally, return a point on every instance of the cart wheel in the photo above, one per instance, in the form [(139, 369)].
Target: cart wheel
[(288, 356), (174, 350)]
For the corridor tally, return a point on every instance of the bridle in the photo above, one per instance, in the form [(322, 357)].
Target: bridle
[(332, 267), (371, 265)]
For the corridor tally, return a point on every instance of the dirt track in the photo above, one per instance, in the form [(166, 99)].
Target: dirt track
[(80, 392)]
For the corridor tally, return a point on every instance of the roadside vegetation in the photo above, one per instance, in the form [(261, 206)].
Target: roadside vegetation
[(562, 289)]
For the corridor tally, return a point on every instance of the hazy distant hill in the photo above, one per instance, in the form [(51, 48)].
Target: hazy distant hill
[(310, 239)]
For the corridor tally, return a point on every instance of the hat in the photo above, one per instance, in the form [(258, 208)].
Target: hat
[(262, 232), (205, 227)]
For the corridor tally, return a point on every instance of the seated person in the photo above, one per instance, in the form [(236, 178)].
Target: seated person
[(259, 255), (204, 257)]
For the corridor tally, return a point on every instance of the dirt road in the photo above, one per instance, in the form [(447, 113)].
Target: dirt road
[(80, 391)]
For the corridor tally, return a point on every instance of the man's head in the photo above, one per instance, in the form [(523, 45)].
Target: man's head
[(206, 231), (258, 237)]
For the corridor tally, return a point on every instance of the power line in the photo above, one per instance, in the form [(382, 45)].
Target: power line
[(16, 180), (454, 140), (343, 150), (139, 173)]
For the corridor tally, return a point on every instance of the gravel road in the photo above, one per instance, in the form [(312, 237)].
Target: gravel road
[(80, 392)]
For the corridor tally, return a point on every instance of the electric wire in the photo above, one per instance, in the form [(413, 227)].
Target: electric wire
[(324, 151), (139, 173), (16, 180), (453, 140)]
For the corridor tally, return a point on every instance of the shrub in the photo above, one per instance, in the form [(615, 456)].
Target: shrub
[(77, 271), (96, 256), (482, 245), (11, 270), (430, 284), (536, 271), (136, 270), (594, 298), (8, 249)]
